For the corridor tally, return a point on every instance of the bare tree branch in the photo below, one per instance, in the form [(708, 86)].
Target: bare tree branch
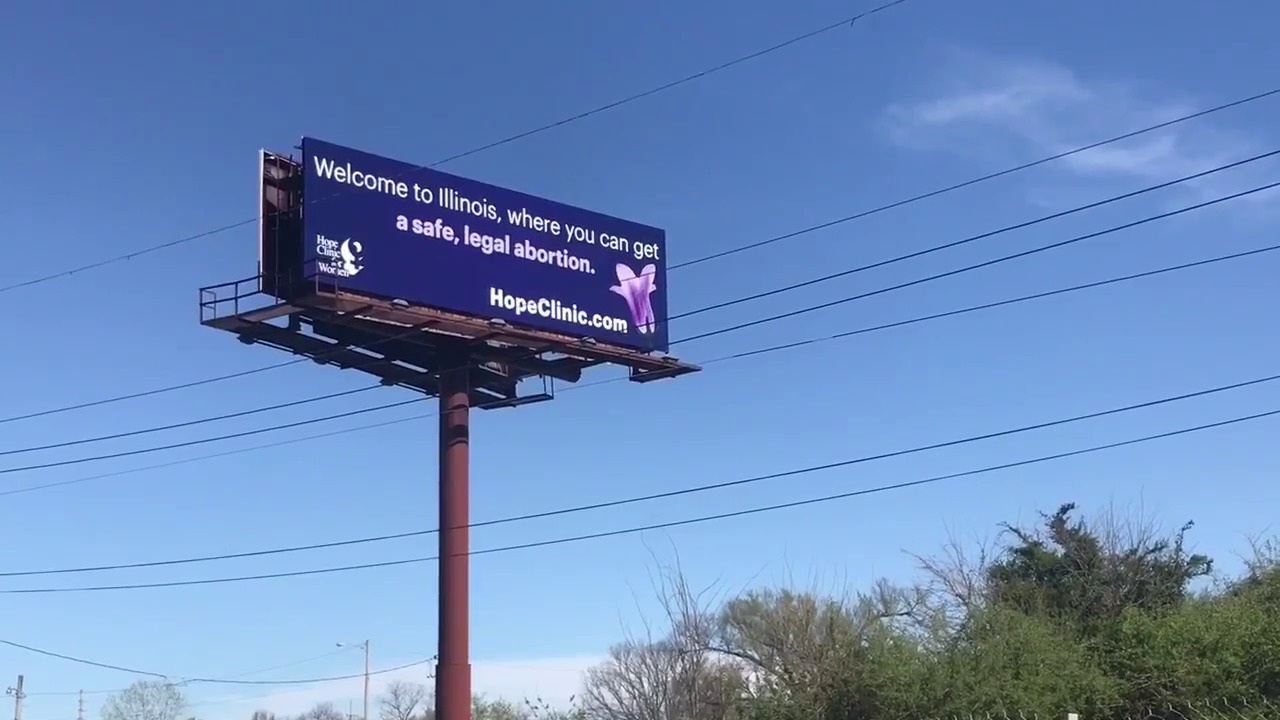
[(403, 701)]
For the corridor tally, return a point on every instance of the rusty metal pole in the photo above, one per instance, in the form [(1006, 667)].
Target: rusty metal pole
[(453, 666)]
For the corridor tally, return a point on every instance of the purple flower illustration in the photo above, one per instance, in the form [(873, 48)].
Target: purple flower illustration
[(635, 289)]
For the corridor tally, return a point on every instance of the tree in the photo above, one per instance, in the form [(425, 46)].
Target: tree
[(1089, 576), (146, 700), (652, 681), (403, 701), (484, 709), (323, 711), (679, 675), (1097, 618)]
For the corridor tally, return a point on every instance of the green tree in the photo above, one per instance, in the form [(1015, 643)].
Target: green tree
[(1006, 659), (1097, 617), (1090, 576), (483, 708)]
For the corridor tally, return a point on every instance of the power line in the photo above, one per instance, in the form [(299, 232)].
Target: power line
[(187, 423), (205, 441), (59, 656), (759, 321), (656, 496), (295, 663), (249, 698), (671, 524), (179, 680), (778, 238), (723, 358), (221, 701), (992, 305), (979, 236), (339, 348), (307, 681), (56, 693), (682, 81), (489, 146), (976, 266), (984, 178)]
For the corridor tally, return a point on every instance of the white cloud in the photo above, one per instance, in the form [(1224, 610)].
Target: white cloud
[(555, 680), (1017, 109)]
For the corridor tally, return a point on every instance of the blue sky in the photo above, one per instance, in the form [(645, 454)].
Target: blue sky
[(135, 125)]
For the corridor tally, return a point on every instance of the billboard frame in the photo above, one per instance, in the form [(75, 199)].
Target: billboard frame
[(280, 239)]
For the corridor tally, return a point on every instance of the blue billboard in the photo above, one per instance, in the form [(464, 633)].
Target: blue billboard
[(390, 229)]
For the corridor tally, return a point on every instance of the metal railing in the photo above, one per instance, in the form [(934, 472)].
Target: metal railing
[(238, 293)]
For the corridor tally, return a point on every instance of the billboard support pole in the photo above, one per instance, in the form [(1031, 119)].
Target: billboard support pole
[(453, 664)]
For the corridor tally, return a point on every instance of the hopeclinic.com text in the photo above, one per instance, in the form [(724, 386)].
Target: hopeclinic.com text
[(555, 310)]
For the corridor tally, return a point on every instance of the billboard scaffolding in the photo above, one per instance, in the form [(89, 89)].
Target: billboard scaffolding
[(449, 287)]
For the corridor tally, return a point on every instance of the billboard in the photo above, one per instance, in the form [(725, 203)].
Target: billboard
[(390, 229)]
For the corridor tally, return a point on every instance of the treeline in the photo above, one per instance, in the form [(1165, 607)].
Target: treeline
[(413, 701), (160, 700), (1109, 619)]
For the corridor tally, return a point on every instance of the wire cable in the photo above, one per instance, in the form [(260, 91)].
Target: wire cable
[(207, 440), (340, 348), (667, 525), (977, 266), (991, 305), (81, 661), (489, 146), (307, 681), (295, 663), (66, 693), (724, 358), (758, 321), (796, 233), (180, 680), (979, 236), (984, 178), (655, 496), (187, 423)]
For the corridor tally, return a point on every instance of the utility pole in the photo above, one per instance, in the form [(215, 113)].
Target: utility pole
[(18, 696), (80, 712), (366, 680), (364, 645)]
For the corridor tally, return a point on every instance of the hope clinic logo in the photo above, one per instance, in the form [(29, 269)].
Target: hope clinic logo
[(352, 253), (339, 258)]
